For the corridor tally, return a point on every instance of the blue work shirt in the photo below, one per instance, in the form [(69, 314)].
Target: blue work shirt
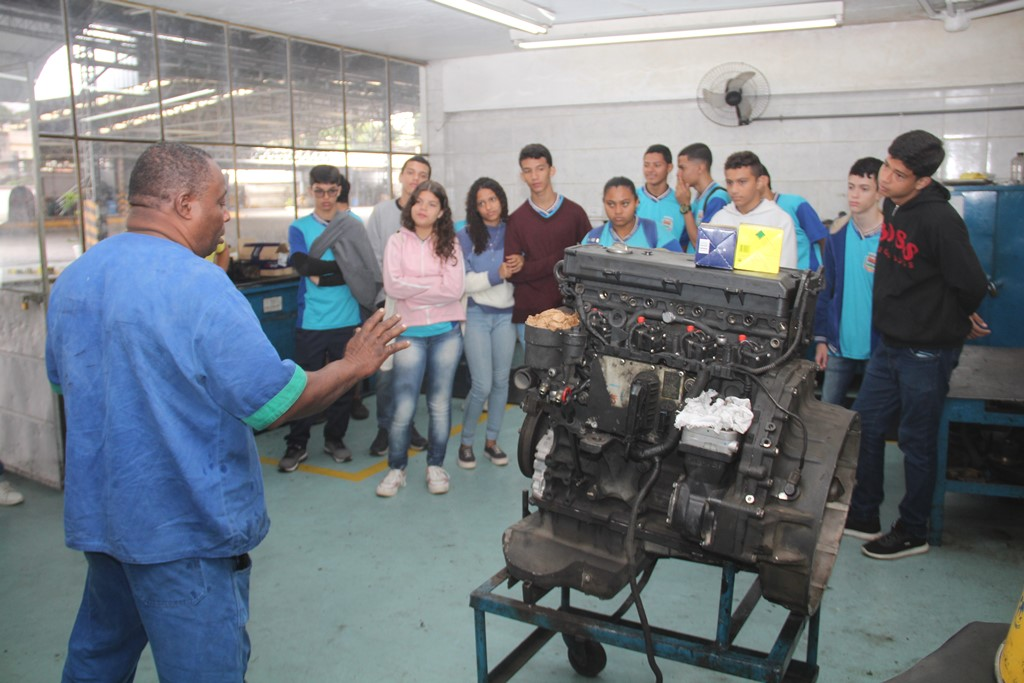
[(165, 372)]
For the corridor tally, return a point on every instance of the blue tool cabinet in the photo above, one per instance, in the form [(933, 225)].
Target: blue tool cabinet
[(275, 301)]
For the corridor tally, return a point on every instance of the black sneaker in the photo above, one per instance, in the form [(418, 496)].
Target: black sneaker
[(359, 410), (497, 456), (864, 529), (379, 446), (895, 544), (292, 457), (338, 451), (417, 442), (467, 460)]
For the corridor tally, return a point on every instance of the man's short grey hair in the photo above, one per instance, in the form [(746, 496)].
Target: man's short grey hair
[(166, 170)]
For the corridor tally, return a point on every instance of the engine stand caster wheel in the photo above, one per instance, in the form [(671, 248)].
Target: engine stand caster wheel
[(587, 657)]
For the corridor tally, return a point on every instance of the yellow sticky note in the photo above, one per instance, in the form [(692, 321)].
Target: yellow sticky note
[(758, 248)]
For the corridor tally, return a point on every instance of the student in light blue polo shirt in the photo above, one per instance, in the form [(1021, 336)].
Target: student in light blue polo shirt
[(624, 226), (658, 201), (843, 331)]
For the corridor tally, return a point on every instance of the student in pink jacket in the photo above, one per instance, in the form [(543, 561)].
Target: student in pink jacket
[(424, 274)]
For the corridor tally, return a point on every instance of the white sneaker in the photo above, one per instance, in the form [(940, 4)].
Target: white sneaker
[(10, 495), (394, 480), (437, 480)]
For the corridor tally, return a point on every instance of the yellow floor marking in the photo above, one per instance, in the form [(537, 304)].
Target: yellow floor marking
[(377, 467)]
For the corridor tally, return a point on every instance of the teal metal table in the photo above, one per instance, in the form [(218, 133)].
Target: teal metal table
[(986, 388)]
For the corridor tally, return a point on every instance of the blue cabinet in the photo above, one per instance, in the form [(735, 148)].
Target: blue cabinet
[(995, 219), (276, 305)]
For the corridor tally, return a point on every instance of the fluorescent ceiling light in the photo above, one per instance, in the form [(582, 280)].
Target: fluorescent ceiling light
[(687, 25), (507, 17)]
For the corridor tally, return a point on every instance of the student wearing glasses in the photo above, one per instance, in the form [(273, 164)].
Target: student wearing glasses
[(328, 316)]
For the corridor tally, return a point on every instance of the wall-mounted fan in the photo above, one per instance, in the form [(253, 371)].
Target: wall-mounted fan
[(733, 94)]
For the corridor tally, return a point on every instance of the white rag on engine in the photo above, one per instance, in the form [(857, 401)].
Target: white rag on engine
[(731, 413)]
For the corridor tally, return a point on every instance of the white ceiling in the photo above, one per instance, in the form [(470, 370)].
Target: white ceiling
[(422, 30)]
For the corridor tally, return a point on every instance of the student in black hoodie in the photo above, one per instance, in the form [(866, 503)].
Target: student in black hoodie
[(928, 285)]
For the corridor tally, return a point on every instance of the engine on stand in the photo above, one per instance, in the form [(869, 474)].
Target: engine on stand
[(616, 485)]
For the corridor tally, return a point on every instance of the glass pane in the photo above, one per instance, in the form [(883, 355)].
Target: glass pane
[(266, 194), (366, 102), (196, 93), (62, 217), (32, 46), (20, 260), (368, 174), (317, 96), (259, 81), (113, 70), (406, 107), (105, 168), (304, 161)]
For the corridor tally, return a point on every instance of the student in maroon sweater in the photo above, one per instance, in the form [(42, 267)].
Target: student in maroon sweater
[(538, 233)]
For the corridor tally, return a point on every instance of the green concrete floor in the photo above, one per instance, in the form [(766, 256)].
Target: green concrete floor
[(351, 587)]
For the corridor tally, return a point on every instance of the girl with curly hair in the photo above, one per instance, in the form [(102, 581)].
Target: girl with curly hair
[(423, 273)]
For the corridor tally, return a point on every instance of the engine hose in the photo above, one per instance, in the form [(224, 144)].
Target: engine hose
[(801, 307), (630, 558)]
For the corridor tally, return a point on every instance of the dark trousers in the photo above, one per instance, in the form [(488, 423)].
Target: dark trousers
[(313, 350), (914, 384)]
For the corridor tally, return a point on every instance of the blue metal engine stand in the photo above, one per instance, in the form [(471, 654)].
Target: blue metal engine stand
[(583, 631)]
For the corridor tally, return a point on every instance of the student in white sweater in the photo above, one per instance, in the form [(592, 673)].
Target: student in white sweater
[(490, 337), (745, 180)]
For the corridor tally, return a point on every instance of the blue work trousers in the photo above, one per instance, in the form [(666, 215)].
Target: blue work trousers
[(490, 341), (192, 613), (437, 357), (911, 382)]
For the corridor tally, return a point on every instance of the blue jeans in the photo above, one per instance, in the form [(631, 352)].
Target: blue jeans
[(192, 613), (912, 383), (385, 400), (437, 357), (490, 342), (521, 335), (839, 374)]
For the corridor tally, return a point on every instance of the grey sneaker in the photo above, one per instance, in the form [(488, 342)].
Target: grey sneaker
[(467, 460), (338, 451), (496, 455), (292, 457)]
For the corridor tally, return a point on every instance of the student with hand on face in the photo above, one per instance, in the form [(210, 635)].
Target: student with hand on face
[(697, 193), (624, 226)]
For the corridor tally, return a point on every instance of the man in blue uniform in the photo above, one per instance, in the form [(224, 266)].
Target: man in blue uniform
[(165, 372)]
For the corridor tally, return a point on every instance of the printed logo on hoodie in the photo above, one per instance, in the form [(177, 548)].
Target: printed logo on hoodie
[(896, 247)]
